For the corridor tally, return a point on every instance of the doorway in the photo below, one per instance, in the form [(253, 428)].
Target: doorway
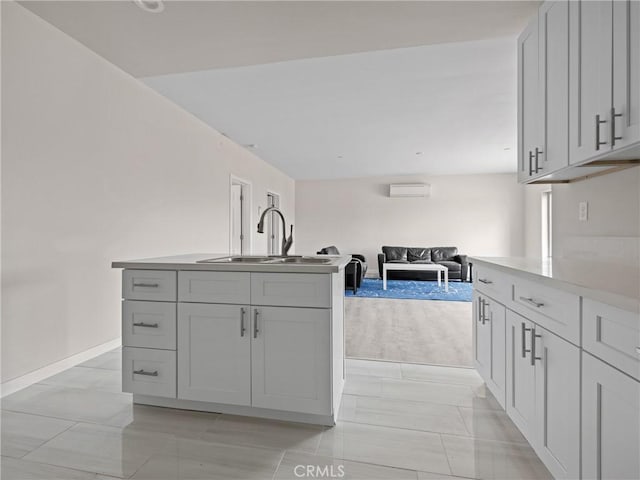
[(240, 217), (273, 225)]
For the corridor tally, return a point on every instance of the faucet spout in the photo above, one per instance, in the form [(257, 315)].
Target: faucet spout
[(286, 242)]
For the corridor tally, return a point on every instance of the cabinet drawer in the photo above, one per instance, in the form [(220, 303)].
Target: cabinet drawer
[(291, 289), (555, 310), (613, 335), (214, 287), (147, 371), (492, 283), (158, 285), (149, 324)]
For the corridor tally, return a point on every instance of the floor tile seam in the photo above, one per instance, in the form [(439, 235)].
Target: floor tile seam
[(464, 422), (446, 454), (65, 467), (415, 381), (420, 401), (54, 437), (40, 415), (273, 476), (400, 399), (435, 432), (524, 443), (97, 368), (92, 388)]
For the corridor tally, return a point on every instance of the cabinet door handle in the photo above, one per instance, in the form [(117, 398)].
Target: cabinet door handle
[(147, 285), (614, 115), (598, 123), (523, 341), (242, 329), (255, 323), (534, 335), (538, 152), (531, 301), (479, 310), (485, 281), (148, 374), (148, 325), (530, 163)]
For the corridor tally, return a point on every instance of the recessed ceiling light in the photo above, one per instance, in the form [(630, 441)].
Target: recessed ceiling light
[(153, 6), (507, 148), (339, 156), (418, 153)]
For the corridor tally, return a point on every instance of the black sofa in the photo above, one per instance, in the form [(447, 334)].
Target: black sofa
[(447, 256), (354, 272)]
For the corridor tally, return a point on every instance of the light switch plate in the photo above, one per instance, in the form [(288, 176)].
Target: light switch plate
[(583, 211)]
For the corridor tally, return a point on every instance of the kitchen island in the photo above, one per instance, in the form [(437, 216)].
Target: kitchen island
[(255, 336)]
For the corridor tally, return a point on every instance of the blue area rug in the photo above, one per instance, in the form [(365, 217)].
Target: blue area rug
[(416, 290)]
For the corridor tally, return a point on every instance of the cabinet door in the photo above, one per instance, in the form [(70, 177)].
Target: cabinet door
[(626, 72), (554, 86), (557, 403), (528, 100), (590, 92), (520, 375), (214, 353), (610, 422), (290, 356), (497, 371), (482, 336)]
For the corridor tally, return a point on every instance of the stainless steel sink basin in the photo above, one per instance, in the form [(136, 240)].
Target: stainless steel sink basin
[(270, 260), (306, 260), (245, 259)]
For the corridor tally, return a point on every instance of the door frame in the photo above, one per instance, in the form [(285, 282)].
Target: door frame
[(247, 214)]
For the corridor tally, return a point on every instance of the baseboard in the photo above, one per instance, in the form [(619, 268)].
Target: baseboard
[(12, 386)]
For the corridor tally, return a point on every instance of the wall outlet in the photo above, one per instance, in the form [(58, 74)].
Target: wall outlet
[(583, 211)]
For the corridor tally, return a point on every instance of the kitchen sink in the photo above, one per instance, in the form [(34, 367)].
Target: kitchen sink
[(271, 260), (306, 260), (240, 259)]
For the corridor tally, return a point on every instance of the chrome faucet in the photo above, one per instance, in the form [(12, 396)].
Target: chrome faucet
[(286, 242)]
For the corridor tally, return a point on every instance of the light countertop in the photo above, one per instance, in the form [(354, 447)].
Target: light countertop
[(189, 262), (611, 283)]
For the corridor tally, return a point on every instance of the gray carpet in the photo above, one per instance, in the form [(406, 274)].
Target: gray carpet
[(409, 331)]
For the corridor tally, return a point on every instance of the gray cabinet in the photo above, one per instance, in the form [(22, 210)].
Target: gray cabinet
[(610, 422), (290, 357), (214, 353)]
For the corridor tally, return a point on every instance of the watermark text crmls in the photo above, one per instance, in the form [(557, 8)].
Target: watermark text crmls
[(319, 471)]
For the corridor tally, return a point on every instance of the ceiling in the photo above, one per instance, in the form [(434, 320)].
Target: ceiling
[(329, 89), (366, 114)]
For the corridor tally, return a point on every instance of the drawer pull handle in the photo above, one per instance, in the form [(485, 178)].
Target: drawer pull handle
[(531, 301), (148, 374), (147, 285), (485, 281), (147, 325)]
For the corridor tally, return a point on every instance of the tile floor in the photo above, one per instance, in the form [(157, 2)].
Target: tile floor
[(398, 421)]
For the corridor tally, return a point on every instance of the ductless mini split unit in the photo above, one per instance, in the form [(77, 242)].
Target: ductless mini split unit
[(409, 190)]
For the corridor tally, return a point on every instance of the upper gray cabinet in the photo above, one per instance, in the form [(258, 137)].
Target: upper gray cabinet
[(543, 92), (585, 118)]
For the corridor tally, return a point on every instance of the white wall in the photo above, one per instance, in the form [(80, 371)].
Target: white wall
[(533, 219), (96, 167), (612, 231), (480, 214)]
